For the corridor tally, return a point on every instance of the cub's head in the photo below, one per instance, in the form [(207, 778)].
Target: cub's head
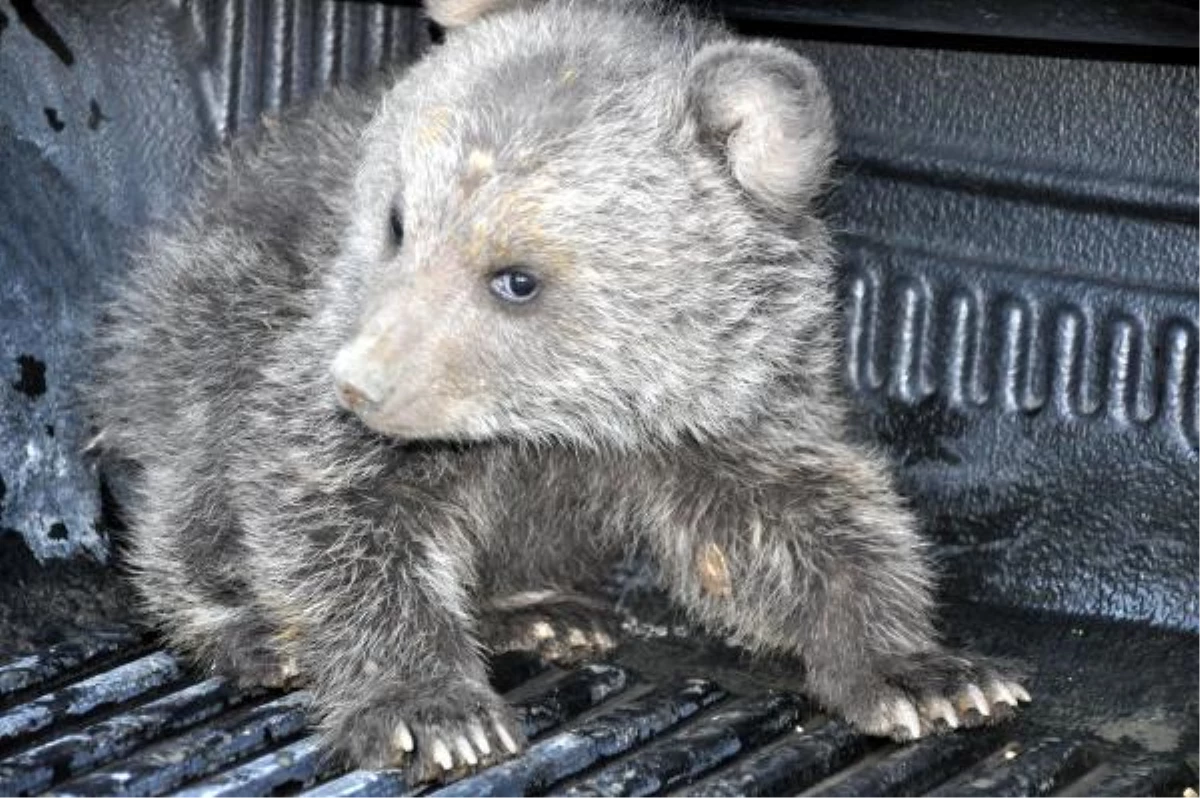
[(587, 222)]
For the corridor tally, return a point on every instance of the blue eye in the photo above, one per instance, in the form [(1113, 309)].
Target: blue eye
[(512, 285)]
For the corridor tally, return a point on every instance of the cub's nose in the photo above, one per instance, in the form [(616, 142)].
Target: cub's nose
[(354, 398), (356, 390)]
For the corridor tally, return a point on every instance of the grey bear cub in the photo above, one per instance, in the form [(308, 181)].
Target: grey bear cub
[(418, 360)]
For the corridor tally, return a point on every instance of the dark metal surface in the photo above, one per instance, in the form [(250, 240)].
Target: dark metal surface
[(639, 726), (74, 753), (911, 770), (794, 763), (76, 700), (601, 738), (704, 745)]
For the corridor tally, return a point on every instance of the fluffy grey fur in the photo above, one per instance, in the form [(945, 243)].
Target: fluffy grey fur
[(354, 459)]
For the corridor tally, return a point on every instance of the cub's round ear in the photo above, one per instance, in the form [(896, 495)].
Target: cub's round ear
[(456, 13), (768, 113)]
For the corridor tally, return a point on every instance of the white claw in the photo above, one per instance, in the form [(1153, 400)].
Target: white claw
[(441, 754), (1000, 694), (542, 631), (576, 637), (479, 737), (505, 738), (976, 700), (905, 714), (603, 640), (402, 737), (941, 709), (465, 751), (1020, 692)]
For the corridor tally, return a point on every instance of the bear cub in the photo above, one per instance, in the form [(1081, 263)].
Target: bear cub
[(418, 360)]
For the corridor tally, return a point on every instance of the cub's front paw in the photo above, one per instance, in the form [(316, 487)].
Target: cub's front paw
[(911, 696), (431, 728)]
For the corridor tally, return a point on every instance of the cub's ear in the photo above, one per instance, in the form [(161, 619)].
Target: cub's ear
[(456, 13), (766, 110)]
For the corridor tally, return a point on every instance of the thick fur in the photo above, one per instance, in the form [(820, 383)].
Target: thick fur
[(672, 386)]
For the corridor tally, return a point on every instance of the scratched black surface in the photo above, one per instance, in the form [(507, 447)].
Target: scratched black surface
[(670, 712)]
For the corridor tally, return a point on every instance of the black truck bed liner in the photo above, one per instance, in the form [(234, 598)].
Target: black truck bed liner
[(110, 715)]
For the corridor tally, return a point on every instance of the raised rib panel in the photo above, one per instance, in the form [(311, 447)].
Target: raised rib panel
[(920, 325), (264, 55)]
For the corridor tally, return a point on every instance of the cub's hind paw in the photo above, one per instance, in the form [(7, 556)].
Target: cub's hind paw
[(260, 669), (933, 692), (249, 658), (431, 728), (563, 628)]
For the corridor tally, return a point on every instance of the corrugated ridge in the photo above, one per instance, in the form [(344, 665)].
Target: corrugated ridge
[(1035, 768), (707, 742), (44, 669), (107, 689), (979, 339), (264, 55)]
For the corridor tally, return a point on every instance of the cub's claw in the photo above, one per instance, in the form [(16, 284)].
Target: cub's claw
[(479, 738), (441, 754), (465, 752), (938, 708), (999, 693), (905, 722), (429, 728), (911, 697), (402, 738), (507, 738), (972, 698)]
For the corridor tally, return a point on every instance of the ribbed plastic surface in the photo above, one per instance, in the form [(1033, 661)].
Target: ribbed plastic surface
[(103, 717), (264, 55)]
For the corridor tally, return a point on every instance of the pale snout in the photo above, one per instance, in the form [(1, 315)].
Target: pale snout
[(359, 377), (403, 379)]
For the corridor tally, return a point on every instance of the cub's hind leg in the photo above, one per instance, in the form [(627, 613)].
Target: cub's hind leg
[(187, 551), (546, 590)]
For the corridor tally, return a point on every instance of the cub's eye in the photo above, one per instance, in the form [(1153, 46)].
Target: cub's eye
[(513, 285), (397, 226)]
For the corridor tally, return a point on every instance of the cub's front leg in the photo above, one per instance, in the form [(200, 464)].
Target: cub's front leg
[(821, 559), (372, 588)]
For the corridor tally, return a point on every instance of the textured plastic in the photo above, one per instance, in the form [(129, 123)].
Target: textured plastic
[(1114, 714), (1021, 293)]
